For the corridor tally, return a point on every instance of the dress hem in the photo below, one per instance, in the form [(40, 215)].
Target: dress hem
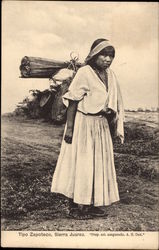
[(85, 202)]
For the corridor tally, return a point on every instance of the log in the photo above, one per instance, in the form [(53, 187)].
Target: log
[(37, 67)]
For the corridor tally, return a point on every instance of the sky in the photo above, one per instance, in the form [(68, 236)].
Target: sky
[(53, 29)]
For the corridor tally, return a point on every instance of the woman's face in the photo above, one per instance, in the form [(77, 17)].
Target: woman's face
[(105, 57), (104, 61)]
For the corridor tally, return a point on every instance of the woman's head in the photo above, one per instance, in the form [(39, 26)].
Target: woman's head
[(101, 54)]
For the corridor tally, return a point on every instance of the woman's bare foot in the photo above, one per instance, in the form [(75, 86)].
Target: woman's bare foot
[(72, 205), (82, 212), (96, 211), (79, 214)]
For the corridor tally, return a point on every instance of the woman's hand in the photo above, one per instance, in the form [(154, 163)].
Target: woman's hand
[(109, 111), (68, 135)]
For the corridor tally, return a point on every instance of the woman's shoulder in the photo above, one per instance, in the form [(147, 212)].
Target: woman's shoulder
[(111, 70)]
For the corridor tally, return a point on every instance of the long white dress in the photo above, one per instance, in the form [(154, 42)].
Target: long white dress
[(85, 169)]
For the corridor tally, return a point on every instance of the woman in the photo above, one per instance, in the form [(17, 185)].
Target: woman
[(85, 170)]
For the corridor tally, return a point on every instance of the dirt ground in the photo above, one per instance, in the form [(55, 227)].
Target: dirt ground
[(29, 153)]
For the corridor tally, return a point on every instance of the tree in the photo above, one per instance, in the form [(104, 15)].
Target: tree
[(140, 110)]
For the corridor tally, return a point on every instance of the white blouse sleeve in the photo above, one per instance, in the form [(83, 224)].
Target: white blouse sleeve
[(120, 114), (78, 87)]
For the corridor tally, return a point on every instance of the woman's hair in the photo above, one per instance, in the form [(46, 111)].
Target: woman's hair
[(106, 51), (98, 41)]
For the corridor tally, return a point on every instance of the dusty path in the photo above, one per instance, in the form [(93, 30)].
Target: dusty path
[(29, 154)]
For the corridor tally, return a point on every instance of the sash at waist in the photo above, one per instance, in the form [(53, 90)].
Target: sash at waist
[(101, 114)]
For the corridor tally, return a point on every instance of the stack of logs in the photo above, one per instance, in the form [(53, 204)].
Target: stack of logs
[(37, 67), (48, 103)]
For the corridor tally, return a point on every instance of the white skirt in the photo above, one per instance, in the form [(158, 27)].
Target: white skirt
[(85, 169)]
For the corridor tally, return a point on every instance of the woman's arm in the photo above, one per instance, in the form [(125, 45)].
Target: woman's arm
[(71, 112)]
